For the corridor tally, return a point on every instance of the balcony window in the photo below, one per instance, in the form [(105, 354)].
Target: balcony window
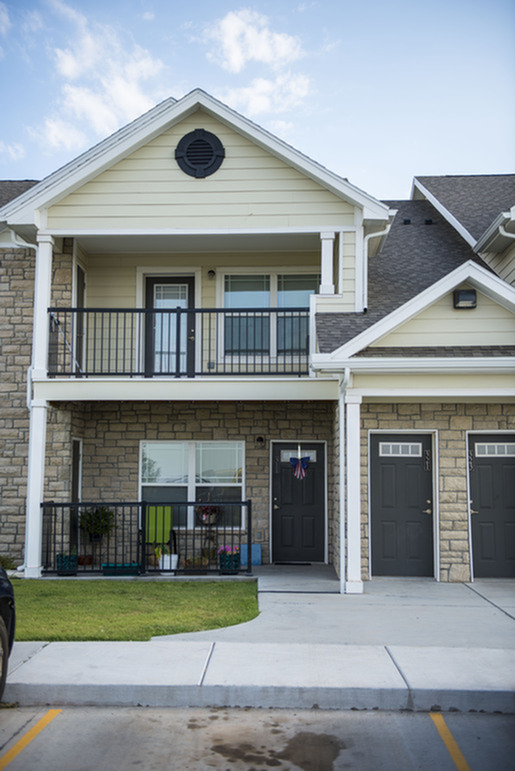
[(253, 332)]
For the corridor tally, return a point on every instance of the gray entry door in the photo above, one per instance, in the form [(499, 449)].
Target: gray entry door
[(492, 504), (298, 505), (401, 505)]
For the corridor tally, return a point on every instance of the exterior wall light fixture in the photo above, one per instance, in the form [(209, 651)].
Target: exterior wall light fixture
[(465, 298), (211, 274)]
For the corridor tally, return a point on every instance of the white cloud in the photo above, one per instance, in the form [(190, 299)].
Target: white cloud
[(244, 36), (105, 81), (264, 95), (149, 16), (59, 134), (14, 151), (5, 22), (32, 22)]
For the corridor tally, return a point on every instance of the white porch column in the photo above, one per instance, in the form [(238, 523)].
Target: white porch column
[(38, 410), (341, 471), (354, 584), (42, 293), (327, 263), (35, 483)]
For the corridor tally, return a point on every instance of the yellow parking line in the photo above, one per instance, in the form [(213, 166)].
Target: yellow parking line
[(28, 737), (449, 741)]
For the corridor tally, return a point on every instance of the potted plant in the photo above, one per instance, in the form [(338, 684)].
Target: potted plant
[(165, 560), (208, 514), (229, 557), (66, 564), (96, 523)]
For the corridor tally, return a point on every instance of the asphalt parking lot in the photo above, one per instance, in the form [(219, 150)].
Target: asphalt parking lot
[(103, 739)]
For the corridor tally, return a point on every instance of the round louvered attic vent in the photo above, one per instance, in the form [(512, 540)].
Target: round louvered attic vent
[(199, 153)]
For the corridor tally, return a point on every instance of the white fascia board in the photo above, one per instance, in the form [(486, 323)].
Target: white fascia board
[(201, 389), (10, 240), (493, 232), (446, 214), (482, 279), (394, 365), (151, 124)]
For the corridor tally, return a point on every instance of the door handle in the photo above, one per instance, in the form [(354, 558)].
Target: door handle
[(192, 338), (276, 506), (427, 511), (474, 512)]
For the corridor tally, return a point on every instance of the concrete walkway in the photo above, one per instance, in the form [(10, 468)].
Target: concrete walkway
[(403, 644)]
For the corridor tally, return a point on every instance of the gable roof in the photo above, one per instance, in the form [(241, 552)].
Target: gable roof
[(471, 202), (480, 278), (152, 124), (414, 256)]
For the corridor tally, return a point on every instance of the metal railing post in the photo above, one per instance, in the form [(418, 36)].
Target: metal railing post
[(143, 560), (249, 537)]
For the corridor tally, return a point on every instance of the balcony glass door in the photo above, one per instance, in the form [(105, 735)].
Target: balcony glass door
[(170, 331)]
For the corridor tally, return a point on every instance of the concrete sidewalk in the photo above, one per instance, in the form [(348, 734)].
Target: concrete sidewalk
[(403, 644)]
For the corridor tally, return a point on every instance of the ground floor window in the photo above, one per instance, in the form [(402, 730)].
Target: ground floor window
[(209, 473)]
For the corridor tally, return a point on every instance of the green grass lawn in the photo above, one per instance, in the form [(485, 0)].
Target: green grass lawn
[(127, 610)]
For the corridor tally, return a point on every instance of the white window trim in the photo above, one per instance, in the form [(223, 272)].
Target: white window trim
[(273, 272), (191, 483)]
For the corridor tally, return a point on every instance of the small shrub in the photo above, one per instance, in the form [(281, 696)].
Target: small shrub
[(6, 562)]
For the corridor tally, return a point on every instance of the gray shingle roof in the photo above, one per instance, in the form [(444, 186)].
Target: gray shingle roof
[(12, 188), (414, 256), (474, 200), (444, 351)]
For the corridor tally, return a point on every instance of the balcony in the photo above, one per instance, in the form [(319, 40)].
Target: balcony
[(179, 343)]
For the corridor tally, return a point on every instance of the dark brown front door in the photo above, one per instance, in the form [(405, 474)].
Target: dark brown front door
[(170, 329), (401, 505), (298, 502), (492, 504)]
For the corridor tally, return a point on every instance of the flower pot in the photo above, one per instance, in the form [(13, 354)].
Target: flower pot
[(66, 564), (168, 561), (229, 563)]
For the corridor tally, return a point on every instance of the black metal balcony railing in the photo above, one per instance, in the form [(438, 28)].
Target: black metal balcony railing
[(137, 538), (183, 342)]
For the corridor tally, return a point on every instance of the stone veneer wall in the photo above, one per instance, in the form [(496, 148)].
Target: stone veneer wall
[(112, 431), (17, 270), (16, 311), (452, 422)]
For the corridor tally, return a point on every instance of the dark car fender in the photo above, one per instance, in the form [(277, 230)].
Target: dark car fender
[(7, 610)]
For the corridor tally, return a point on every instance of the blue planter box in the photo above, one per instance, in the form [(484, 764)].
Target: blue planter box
[(255, 554)]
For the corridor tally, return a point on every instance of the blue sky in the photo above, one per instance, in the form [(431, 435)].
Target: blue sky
[(377, 91)]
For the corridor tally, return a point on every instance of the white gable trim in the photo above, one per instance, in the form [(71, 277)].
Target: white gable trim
[(151, 124), (483, 280), (446, 214)]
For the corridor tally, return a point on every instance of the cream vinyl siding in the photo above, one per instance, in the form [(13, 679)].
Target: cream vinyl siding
[(387, 384), (503, 264), (252, 189), (112, 280), (441, 324)]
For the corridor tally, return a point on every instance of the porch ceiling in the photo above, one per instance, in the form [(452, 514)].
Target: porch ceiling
[(199, 242)]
